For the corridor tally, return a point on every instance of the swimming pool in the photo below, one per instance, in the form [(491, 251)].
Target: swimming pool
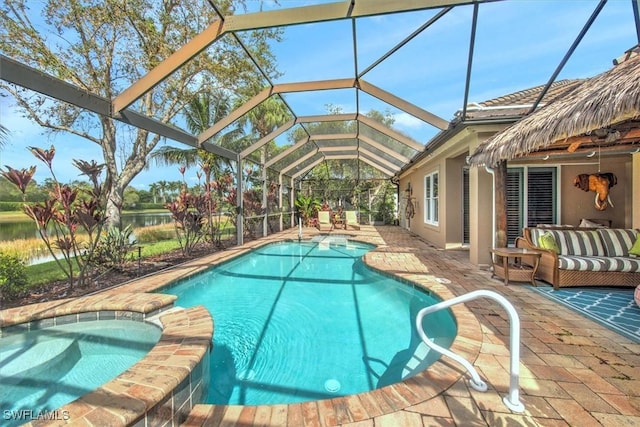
[(44, 369), (307, 321)]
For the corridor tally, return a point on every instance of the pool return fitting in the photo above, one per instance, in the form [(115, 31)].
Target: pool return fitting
[(512, 401)]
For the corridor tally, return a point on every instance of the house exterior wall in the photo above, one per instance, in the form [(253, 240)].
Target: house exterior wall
[(449, 161), (573, 203), (454, 214)]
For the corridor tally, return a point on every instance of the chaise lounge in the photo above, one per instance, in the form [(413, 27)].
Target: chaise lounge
[(351, 220), (324, 221)]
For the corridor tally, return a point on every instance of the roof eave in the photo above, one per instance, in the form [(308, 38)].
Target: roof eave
[(455, 127)]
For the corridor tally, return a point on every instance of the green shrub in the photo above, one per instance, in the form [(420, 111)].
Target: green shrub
[(115, 247), (13, 276), (156, 233)]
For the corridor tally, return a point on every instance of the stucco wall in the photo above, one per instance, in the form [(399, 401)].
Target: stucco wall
[(455, 205), (449, 162), (432, 233)]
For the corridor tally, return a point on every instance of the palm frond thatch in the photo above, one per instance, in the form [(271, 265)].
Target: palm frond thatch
[(606, 99)]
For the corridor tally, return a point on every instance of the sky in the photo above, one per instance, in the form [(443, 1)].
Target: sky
[(518, 45)]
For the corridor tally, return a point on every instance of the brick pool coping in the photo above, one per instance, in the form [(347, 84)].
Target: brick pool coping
[(189, 332)]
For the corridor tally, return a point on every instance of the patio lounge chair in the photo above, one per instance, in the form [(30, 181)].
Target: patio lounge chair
[(324, 221), (351, 220)]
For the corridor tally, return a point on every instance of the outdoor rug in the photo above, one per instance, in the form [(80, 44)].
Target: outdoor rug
[(613, 308)]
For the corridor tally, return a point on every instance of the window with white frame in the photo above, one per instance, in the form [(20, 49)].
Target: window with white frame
[(431, 198)]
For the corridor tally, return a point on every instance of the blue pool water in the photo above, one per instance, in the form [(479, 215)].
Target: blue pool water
[(306, 321), (45, 369)]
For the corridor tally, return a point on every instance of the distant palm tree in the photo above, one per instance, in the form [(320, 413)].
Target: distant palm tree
[(154, 189), (163, 186)]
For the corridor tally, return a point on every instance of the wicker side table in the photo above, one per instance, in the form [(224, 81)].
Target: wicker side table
[(516, 271)]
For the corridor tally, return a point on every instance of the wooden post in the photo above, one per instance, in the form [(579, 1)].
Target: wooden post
[(501, 204)]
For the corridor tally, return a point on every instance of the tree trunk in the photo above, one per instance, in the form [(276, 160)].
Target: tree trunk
[(115, 196)]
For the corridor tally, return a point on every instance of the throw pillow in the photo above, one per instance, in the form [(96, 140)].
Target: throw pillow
[(547, 241), (635, 249), (590, 224)]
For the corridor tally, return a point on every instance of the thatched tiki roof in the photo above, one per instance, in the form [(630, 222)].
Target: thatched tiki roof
[(610, 98)]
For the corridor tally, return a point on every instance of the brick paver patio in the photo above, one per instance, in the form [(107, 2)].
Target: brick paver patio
[(573, 371)]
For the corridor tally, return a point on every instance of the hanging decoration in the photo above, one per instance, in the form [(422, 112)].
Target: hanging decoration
[(600, 183)]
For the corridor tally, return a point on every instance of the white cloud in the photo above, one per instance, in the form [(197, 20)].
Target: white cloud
[(405, 120)]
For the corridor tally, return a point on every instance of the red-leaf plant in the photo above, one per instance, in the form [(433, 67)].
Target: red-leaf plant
[(68, 214), (189, 212)]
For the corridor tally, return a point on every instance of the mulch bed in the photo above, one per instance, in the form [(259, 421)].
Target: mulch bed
[(61, 289)]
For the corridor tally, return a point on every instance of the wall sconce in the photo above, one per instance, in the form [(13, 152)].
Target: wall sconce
[(546, 157), (593, 153)]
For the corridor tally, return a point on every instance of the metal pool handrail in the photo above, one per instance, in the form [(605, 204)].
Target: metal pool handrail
[(512, 401)]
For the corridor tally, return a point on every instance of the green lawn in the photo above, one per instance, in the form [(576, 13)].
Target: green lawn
[(41, 274)]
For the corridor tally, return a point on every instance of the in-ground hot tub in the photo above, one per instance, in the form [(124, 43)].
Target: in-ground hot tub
[(43, 369), (160, 386)]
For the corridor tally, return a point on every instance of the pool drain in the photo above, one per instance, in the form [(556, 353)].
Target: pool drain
[(332, 385)]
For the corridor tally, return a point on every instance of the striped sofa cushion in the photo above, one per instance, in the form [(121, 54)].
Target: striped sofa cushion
[(617, 241), (582, 263), (582, 243), (573, 242), (535, 235), (623, 264)]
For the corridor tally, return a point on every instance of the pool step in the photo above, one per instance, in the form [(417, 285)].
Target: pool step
[(156, 318), (33, 358), (418, 361)]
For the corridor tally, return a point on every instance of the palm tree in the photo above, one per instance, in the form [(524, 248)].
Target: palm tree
[(4, 135), (265, 117), (204, 110), (162, 188), (201, 113), (154, 189)]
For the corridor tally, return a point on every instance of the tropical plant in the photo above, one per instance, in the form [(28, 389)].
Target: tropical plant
[(189, 212), (202, 112), (307, 207), (71, 219), (114, 248), (384, 207)]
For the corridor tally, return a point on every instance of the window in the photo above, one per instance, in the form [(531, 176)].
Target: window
[(531, 199), (431, 198)]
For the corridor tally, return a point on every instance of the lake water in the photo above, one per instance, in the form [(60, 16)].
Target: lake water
[(11, 230)]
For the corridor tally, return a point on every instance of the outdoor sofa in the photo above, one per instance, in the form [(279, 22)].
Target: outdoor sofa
[(584, 257)]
